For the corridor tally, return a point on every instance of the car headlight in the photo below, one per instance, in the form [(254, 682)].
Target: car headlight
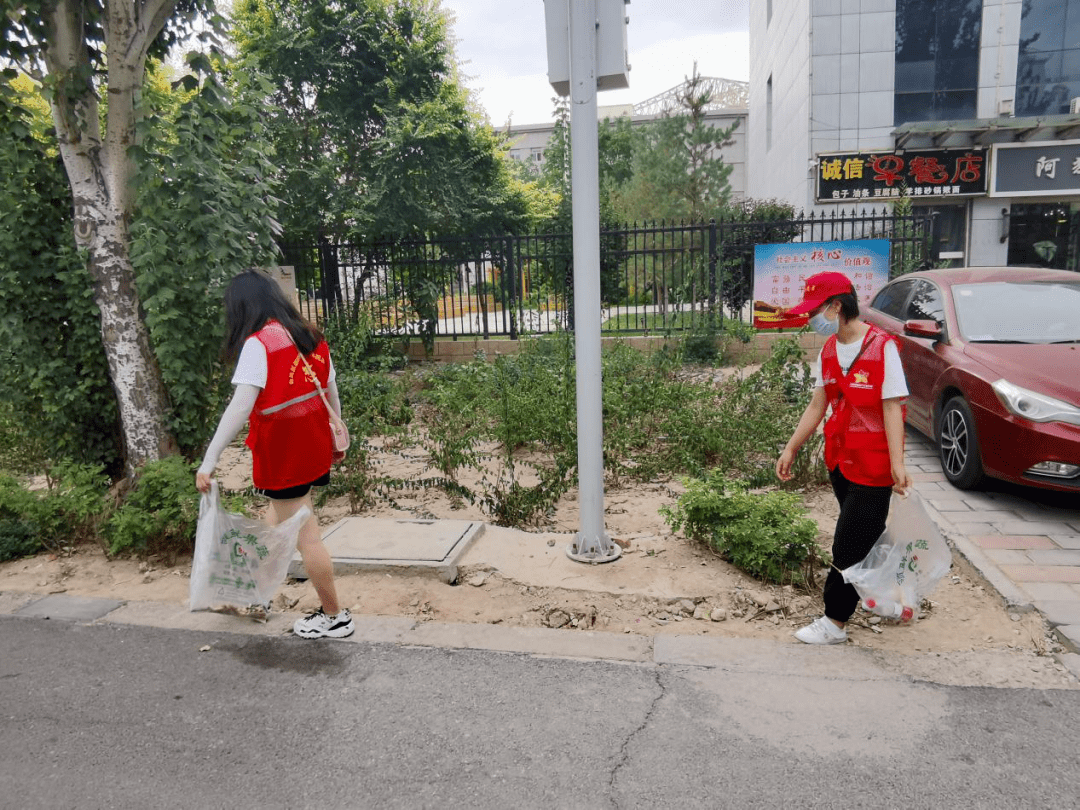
[(1033, 406)]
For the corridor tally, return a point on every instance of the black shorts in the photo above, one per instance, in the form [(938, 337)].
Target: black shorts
[(299, 491)]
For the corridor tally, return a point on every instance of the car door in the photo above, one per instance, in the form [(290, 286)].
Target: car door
[(922, 357), (890, 304)]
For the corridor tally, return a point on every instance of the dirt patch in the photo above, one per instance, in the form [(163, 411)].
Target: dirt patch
[(663, 584)]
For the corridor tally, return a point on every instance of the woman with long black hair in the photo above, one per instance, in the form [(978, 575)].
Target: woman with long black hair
[(282, 364)]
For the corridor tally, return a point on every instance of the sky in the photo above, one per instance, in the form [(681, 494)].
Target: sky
[(502, 47)]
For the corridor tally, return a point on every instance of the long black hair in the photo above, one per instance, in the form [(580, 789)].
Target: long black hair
[(253, 298)]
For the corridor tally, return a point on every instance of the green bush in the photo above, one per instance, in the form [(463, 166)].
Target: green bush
[(77, 498), (23, 449), (22, 517), (355, 347), (159, 513), (374, 403), (766, 534), (67, 512)]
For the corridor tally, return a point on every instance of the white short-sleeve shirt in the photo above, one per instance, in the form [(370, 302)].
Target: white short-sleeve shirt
[(894, 384), (251, 367)]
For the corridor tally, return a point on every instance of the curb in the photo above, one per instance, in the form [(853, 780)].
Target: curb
[(742, 655)]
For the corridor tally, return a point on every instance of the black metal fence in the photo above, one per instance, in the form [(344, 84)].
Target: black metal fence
[(655, 278)]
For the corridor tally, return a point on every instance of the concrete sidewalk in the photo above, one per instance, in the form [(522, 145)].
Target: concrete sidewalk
[(1025, 542)]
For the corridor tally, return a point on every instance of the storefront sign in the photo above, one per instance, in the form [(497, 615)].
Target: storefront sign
[(916, 173), (781, 270), (1050, 169)]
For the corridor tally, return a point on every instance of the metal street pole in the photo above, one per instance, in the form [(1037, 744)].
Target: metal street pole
[(591, 544)]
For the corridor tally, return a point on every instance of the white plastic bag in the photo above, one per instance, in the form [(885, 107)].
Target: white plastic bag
[(239, 561), (905, 564)]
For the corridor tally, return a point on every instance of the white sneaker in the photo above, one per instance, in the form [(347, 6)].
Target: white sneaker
[(320, 625), (822, 631)]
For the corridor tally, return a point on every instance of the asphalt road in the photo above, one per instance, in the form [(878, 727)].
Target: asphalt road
[(102, 716)]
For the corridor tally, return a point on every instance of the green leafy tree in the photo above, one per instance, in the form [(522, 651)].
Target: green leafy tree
[(63, 44), (339, 71), (678, 170), (742, 225), (615, 151), (380, 144), (207, 188), (372, 129), (678, 174)]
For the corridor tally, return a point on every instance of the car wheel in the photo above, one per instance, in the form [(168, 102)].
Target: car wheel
[(958, 446)]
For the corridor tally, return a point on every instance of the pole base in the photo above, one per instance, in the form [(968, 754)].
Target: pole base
[(594, 550)]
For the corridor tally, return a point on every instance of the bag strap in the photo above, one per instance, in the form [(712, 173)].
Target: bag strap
[(311, 372)]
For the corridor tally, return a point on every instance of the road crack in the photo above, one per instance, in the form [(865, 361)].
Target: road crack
[(624, 750)]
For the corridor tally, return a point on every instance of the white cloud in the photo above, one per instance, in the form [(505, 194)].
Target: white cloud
[(502, 45)]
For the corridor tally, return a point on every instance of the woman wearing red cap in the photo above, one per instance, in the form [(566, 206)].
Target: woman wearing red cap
[(859, 378)]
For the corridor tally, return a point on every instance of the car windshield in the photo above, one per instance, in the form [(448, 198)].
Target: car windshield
[(1018, 312)]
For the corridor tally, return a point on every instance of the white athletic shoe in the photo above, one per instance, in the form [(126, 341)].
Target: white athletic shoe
[(822, 631), (320, 625)]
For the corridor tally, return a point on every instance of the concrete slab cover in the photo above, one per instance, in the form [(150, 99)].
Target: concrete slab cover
[(358, 543), (69, 608)]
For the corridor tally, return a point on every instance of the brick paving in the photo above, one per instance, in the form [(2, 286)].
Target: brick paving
[(1025, 542)]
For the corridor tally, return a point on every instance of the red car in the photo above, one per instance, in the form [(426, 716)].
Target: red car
[(992, 358)]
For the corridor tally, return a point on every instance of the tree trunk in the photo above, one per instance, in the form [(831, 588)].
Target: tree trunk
[(100, 170), (136, 378)]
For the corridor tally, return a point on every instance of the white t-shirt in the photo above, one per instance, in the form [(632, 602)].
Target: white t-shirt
[(251, 366), (894, 385)]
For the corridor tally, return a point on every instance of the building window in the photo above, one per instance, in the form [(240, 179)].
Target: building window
[(768, 114), (1045, 235), (1048, 68), (937, 59)]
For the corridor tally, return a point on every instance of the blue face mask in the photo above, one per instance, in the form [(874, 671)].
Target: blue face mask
[(823, 326)]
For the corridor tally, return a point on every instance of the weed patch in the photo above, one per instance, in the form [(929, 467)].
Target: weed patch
[(766, 534)]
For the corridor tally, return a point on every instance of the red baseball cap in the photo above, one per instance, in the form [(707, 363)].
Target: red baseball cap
[(819, 288)]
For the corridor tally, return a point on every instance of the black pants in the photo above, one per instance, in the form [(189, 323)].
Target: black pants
[(863, 511)]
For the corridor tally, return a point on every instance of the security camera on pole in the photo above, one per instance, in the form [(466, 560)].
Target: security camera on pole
[(586, 44)]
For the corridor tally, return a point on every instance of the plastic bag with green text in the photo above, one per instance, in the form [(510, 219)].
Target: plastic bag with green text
[(905, 564), (239, 561)]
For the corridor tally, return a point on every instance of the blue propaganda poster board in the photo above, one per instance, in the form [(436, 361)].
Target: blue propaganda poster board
[(780, 270)]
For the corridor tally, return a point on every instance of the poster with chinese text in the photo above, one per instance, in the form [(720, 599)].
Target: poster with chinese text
[(780, 270)]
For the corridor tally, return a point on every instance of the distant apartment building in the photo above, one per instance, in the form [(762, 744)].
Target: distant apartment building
[(970, 107), (728, 106)]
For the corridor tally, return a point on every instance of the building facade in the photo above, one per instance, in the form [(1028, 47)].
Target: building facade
[(529, 142), (969, 107)]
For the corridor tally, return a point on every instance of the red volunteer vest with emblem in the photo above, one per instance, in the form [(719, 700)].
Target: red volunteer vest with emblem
[(855, 430), (289, 433)]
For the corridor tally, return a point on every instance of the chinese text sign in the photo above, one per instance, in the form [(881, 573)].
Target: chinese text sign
[(781, 270)]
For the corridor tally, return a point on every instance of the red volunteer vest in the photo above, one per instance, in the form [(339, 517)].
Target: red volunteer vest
[(855, 430), (289, 433)]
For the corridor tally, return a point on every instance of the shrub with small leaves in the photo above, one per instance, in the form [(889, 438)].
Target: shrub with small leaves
[(766, 534), (22, 515), (159, 513), (67, 512)]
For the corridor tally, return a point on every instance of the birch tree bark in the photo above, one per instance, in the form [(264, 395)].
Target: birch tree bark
[(100, 170)]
